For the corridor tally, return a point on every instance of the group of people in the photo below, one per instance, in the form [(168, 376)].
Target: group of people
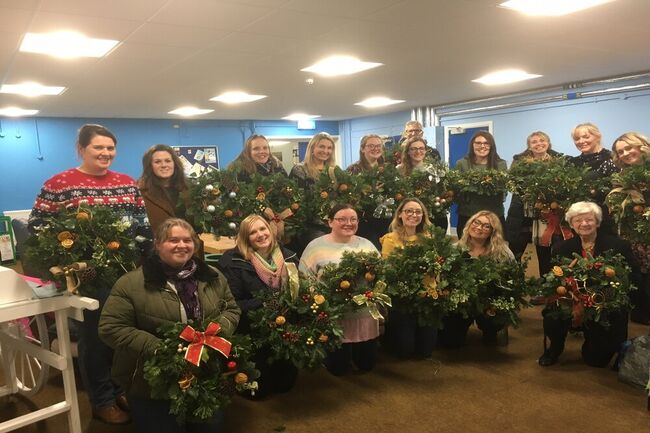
[(174, 284)]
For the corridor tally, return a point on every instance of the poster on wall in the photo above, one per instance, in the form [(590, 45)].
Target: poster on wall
[(198, 159)]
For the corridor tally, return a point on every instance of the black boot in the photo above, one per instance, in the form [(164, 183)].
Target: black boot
[(555, 330)]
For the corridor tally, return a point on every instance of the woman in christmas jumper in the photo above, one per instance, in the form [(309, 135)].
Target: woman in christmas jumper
[(259, 264), (360, 329), (255, 158), (371, 156), (601, 342), (173, 285), (403, 335), (93, 184), (482, 237), (632, 149), (481, 155)]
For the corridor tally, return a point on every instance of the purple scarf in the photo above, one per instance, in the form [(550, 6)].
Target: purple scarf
[(186, 286)]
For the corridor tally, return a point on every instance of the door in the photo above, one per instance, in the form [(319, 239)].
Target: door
[(456, 145)]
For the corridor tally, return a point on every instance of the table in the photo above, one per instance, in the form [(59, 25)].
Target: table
[(63, 306), (213, 246)]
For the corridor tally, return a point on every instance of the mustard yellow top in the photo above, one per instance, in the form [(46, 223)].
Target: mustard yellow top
[(391, 241)]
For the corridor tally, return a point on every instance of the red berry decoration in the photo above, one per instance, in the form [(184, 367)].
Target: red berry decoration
[(231, 365)]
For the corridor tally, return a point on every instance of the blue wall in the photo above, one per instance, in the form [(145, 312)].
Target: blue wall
[(24, 168)]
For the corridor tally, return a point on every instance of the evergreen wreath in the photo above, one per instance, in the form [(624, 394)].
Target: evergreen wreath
[(595, 285), (357, 282), (431, 187), (430, 278), (629, 202), (199, 386), (219, 202), (83, 248), (481, 182), (378, 191), (328, 192), (301, 327)]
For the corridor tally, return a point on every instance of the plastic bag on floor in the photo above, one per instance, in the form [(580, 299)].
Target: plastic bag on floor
[(634, 367)]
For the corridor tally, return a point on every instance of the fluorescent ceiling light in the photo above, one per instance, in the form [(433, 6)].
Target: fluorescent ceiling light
[(31, 89), (339, 65), (66, 45), (16, 112), (300, 116), (551, 7), (378, 101), (505, 77), (237, 97), (276, 143), (190, 111)]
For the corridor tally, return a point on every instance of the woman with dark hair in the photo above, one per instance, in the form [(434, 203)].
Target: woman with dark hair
[(162, 183), (171, 286), (360, 329), (93, 184), (255, 158), (481, 155), (521, 227), (371, 154), (629, 150), (601, 342), (404, 336), (259, 264)]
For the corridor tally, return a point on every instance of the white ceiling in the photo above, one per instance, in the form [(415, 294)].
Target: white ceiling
[(183, 52)]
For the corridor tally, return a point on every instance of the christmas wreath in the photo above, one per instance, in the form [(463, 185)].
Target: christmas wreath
[(588, 288), (378, 191), (628, 202), (429, 279), (430, 186), (199, 370), (501, 287), (83, 249), (357, 282), (300, 326), (481, 182), (218, 203), (332, 188)]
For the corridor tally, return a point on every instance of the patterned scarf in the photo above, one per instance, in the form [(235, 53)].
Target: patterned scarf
[(186, 286), (271, 273)]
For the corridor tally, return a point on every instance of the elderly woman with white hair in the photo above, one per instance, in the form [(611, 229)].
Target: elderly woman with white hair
[(601, 343)]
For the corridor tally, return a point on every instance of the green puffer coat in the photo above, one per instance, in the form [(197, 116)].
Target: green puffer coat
[(141, 301)]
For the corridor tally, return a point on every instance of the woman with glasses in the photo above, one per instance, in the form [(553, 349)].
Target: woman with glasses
[(482, 237), (481, 155), (404, 337), (360, 329), (412, 129), (255, 158)]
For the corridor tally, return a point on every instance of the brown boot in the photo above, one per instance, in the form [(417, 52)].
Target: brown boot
[(111, 415), (122, 403)]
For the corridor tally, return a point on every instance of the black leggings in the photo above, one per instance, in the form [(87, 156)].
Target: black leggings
[(363, 355)]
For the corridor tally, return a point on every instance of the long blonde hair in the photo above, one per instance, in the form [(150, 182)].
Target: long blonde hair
[(406, 166), (310, 166), (397, 225), (243, 242), (633, 139), (496, 247)]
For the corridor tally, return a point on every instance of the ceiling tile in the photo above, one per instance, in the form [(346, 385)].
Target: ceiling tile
[(212, 14)]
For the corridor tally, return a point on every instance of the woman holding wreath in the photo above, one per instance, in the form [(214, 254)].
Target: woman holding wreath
[(601, 342), (629, 150), (482, 237), (255, 158), (481, 155), (360, 329), (259, 264), (93, 184), (173, 285), (403, 335)]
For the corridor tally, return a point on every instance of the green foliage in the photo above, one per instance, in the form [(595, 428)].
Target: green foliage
[(481, 182), (601, 284), (378, 191), (195, 392), (357, 282), (431, 187), (628, 202), (302, 329), (328, 192), (94, 235), (218, 202)]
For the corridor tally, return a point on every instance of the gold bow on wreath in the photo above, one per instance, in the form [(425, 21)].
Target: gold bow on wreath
[(633, 196), (276, 220), (430, 283), (72, 280)]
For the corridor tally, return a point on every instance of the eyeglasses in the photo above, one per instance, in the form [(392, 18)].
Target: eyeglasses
[(417, 149), (484, 226), (411, 212), (373, 146), (482, 144), (341, 220)]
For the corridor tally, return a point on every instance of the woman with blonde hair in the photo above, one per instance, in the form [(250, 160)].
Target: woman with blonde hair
[(630, 148), (319, 157), (258, 263), (404, 337), (414, 152), (255, 158)]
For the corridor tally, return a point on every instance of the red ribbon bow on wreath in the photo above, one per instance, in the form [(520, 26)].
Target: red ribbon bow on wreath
[(554, 224), (198, 339), (276, 220)]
